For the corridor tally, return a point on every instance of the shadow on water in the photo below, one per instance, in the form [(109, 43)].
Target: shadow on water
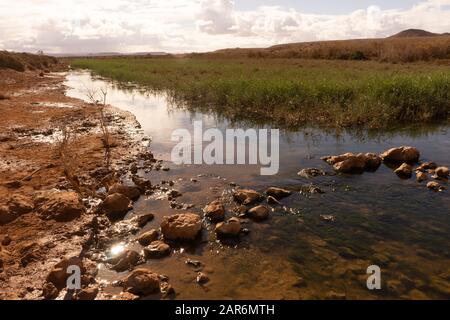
[(379, 219)]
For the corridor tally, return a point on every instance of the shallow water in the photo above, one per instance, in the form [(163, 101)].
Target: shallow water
[(380, 219)]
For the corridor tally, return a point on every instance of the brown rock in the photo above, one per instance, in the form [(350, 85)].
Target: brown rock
[(87, 294), (15, 184), (310, 173), (232, 227), (246, 196), (441, 172), (16, 206), (215, 210), (125, 260), (130, 192), (404, 171), (6, 241), (49, 291), (331, 160), (142, 220), (202, 278), (141, 183), (401, 154), (259, 212), (141, 282), (351, 164), (433, 185), (372, 161), (157, 249), (421, 176), (278, 193), (58, 275), (181, 226), (424, 167), (148, 237), (115, 206), (62, 207)]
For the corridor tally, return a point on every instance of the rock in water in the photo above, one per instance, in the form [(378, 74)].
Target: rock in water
[(115, 206), (352, 164), (62, 207), (278, 193), (141, 282), (181, 226), (310, 173), (125, 260), (433, 185), (441, 172), (87, 294), (372, 161), (148, 237), (130, 192), (404, 171), (157, 249), (421, 176), (246, 196), (426, 166), (232, 227), (401, 154), (259, 212), (215, 210)]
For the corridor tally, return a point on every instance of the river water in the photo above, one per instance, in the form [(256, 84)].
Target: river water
[(380, 219)]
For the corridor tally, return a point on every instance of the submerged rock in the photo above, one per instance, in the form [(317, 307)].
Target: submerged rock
[(259, 213), (327, 218), (311, 172), (246, 196), (142, 220), (141, 282), (232, 227), (433, 185), (401, 154), (404, 171), (181, 226), (278, 193), (115, 206), (61, 206), (130, 192), (157, 249), (215, 210), (148, 237)]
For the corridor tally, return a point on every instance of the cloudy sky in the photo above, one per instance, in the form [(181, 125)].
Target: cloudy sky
[(81, 26)]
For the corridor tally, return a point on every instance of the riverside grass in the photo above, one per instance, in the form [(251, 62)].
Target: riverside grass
[(291, 92)]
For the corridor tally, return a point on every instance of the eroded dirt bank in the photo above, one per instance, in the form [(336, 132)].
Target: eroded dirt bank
[(50, 144)]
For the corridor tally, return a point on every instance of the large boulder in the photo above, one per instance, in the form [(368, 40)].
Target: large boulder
[(259, 212), (230, 228), (401, 154), (278, 193), (181, 226), (115, 206), (141, 282), (61, 206), (130, 192), (354, 163), (246, 196), (215, 210)]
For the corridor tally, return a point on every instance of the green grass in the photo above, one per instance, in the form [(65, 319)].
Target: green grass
[(292, 92)]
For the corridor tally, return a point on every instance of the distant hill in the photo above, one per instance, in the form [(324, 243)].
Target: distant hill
[(407, 46), (416, 33), (26, 61), (107, 54)]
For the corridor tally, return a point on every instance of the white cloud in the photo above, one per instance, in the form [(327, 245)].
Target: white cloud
[(193, 25)]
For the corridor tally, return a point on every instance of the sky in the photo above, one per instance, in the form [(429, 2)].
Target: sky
[(87, 26)]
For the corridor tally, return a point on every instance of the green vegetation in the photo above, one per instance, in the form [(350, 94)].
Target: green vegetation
[(291, 92)]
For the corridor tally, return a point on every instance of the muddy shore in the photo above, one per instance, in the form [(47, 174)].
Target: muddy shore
[(36, 116)]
